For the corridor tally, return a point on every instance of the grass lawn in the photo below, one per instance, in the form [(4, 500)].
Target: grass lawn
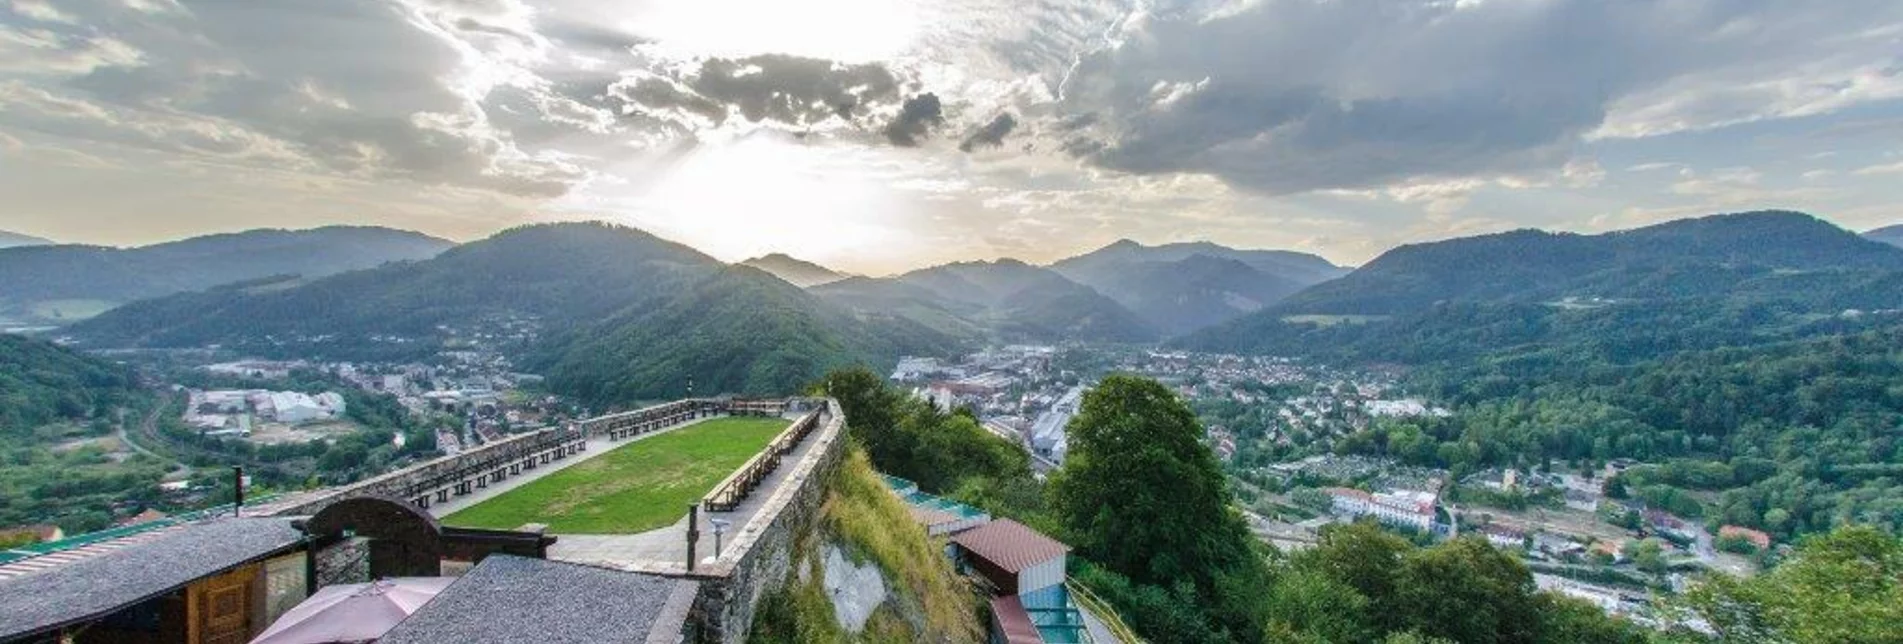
[(636, 487)]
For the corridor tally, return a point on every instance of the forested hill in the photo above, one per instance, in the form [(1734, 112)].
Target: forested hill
[(1892, 235), (613, 314), (41, 383), (1004, 301), (1714, 281), (1704, 256), (12, 239), (797, 272), (75, 272), (1179, 288), (558, 273), (740, 330), (1749, 360), (1281, 265)]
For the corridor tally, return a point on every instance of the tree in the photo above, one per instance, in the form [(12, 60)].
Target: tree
[(1649, 555), (1312, 605), (1366, 558), (1140, 492), (1846, 586), (1467, 591)]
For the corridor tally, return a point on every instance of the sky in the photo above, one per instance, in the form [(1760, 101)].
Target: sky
[(881, 135)]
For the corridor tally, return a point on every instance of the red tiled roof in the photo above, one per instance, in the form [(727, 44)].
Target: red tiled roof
[(1013, 622), (1010, 545)]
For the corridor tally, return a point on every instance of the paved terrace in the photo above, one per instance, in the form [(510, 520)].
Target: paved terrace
[(664, 550)]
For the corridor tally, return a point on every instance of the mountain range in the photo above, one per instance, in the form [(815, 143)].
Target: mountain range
[(1124, 292), (1179, 288), (1892, 235), (615, 314), (1713, 281), (67, 277), (618, 314), (797, 272), (14, 240), (1003, 301)]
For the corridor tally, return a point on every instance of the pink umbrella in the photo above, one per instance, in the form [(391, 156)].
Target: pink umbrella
[(353, 612)]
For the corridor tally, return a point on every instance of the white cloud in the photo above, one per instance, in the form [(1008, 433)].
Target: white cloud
[(1882, 168)]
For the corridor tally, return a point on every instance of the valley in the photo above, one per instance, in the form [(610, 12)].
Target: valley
[(1621, 413)]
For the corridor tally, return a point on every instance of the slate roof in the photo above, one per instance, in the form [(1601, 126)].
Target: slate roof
[(1010, 545), (96, 586), (516, 599)]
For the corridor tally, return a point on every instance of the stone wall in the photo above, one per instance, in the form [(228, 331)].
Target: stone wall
[(345, 562), (759, 560)]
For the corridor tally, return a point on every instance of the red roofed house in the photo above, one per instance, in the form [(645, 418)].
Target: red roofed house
[(1757, 538), (1012, 557)]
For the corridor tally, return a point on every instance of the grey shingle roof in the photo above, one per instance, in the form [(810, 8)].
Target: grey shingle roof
[(97, 586), (515, 599)]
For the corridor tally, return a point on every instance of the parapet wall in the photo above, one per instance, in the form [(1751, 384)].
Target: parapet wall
[(759, 560)]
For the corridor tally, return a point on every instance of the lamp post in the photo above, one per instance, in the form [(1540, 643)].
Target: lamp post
[(720, 528)]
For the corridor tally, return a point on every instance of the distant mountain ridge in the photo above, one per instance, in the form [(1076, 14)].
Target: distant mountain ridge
[(609, 314), (1003, 300), (1291, 265), (15, 240), (1892, 235), (1533, 263), (1713, 281), (116, 275), (797, 272), (1179, 288)]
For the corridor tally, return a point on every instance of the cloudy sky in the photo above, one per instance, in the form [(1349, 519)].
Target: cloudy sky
[(880, 135)]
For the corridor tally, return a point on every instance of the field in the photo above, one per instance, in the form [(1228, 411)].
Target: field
[(636, 487)]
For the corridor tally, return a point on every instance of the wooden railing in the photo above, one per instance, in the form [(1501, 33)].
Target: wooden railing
[(629, 424), (728, 495), (504, 461)]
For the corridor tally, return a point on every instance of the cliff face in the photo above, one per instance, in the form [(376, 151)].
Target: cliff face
[(868, 573)]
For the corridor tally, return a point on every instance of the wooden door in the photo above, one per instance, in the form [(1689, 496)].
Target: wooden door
[(222, 607)]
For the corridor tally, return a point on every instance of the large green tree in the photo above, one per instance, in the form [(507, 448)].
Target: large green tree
[(1846, 586), (1141, 492), (908, 437)]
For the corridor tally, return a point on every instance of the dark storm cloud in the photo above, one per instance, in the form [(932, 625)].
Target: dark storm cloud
[(915, 121), (990, 134), (1287, 96)]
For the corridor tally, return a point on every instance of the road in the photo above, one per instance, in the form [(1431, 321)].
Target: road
[(148, 427)]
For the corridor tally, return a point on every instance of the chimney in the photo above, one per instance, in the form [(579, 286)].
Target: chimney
[(237, 490)]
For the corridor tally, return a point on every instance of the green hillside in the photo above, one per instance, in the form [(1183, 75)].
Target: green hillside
[(39, 277), (740, 330)]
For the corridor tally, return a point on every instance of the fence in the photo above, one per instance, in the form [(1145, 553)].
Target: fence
[(742, 482)]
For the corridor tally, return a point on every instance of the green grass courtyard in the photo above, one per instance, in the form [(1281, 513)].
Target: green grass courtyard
[(636, 487)]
